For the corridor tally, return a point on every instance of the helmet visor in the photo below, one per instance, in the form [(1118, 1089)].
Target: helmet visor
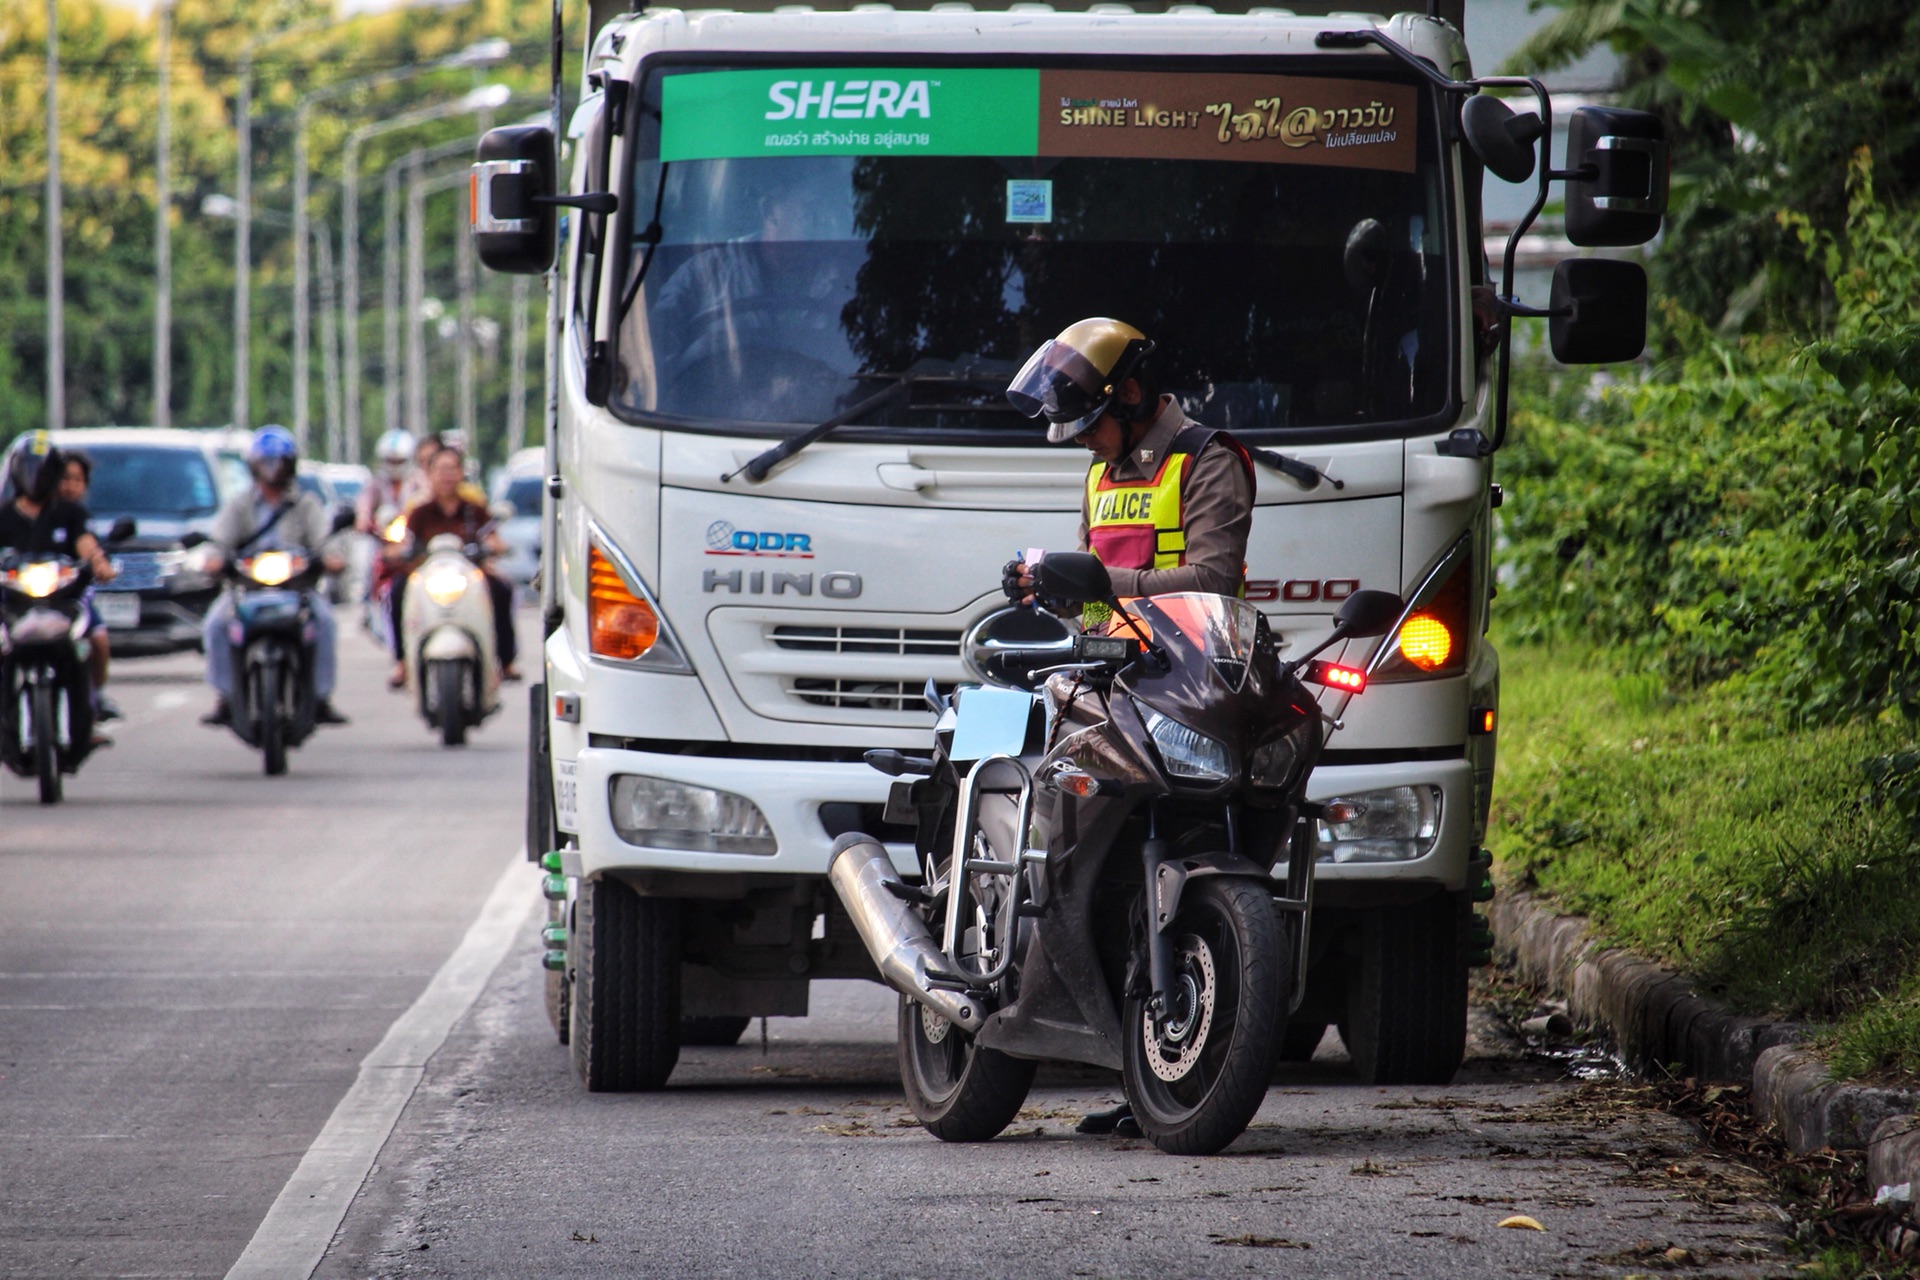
[(1061, 384)]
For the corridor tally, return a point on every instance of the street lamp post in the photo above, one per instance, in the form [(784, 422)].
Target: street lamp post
[(420, 185), (56, 246), (484, 53), (479, 100), (163, 231)]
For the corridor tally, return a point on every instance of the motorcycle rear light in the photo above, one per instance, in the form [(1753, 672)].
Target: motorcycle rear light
[(619, 623), (1335, 676)]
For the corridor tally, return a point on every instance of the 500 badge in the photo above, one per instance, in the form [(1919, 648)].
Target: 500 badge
[(1300, 590)]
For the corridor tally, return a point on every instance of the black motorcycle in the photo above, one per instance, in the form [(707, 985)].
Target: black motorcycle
[(46, 704), (1117, 871), (272, 635)]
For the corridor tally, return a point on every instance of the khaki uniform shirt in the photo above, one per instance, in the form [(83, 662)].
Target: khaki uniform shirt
[(1216, 509)]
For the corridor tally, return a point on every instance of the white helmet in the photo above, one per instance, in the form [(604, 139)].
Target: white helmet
[(395, 451)]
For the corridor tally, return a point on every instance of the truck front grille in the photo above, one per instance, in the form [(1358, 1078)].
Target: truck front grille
[(872, 695), (889, 640)]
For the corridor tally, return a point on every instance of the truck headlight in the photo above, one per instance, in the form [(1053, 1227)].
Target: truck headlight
[(1395, 824), (675, 815), (1186, 752)]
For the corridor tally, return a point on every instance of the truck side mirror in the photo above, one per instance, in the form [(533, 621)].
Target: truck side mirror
[(514, 226), (1625, 199), (1502, 140), (1598, 310)]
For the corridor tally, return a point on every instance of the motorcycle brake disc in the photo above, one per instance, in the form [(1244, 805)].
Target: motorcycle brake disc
[(1173, 1051)]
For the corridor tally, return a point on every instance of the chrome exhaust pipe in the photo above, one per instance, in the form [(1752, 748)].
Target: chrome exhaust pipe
[(899, 941)]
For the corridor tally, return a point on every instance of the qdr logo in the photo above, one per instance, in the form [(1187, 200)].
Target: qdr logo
[(725, 540), (849, 100)]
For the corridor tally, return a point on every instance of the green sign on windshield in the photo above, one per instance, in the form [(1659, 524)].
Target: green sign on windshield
[(850, 111)]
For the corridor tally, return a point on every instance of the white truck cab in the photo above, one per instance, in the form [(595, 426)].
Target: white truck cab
[(864, 222)]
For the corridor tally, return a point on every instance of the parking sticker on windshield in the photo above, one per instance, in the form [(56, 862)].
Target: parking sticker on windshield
[(1029, 200)]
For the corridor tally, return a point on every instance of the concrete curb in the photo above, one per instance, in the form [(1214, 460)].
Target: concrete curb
[(1660, 1024)]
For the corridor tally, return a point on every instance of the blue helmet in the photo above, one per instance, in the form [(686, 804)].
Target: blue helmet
[(272, 455)]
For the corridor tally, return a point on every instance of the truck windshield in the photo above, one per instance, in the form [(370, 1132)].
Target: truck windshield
[(1289, 260)]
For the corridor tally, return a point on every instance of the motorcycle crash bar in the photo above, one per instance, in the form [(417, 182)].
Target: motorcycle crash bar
[(901, 944)]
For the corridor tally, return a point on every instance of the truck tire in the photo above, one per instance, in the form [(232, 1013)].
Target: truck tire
[(1300, 1039), (625, 1025), (713, 1033), (1406, 1013)]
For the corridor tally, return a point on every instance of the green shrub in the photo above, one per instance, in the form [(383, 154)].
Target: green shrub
[(1749, 511)]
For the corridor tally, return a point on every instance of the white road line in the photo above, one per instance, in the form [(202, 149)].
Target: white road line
[(293, 1237)]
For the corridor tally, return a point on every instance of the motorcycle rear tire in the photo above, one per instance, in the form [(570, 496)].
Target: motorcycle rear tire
[(624, 1030), (273, 729), (46, 743), (1406, 1012), (1218, 1090), (449, 676), (959, 1091)]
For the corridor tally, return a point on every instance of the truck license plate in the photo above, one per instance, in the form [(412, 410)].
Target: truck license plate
[(118, 609), (566, 813)]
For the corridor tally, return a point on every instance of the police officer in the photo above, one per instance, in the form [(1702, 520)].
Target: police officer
[(1168, 502)]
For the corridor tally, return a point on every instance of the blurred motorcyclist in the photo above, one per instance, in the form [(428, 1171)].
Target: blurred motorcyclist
[(272, 516), (76, 475), (40, 520), (393, 485), (448, 510)]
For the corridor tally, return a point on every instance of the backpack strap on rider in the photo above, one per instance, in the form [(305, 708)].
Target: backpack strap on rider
[(1194, 438)]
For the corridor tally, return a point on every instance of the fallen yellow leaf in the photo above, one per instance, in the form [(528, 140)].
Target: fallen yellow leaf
[(1522, 1222)]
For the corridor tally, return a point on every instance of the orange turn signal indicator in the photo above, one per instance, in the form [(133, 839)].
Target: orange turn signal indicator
[(1426, 642), (1480, 720), (619, 623)]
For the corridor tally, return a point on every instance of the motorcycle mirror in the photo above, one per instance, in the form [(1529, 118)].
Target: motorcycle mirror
[(1003, 646), (1076, 577), (191, 539), (1368, 613), (342, 519), (122, 529)]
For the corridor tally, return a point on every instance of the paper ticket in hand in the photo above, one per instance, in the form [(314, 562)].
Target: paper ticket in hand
[(1032, 556)]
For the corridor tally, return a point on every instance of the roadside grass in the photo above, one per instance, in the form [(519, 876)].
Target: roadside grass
[(1695, 828)]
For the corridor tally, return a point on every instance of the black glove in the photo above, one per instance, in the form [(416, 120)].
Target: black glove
[(1010, 581)]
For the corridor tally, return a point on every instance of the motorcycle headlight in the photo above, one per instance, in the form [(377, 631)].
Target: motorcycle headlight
[(1185, 752), (1394, 824), (677, 815), (447, 584), (1272, 764), (272, 568), (42, 578)]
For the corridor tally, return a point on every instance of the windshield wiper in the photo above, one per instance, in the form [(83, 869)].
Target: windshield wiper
[(650, 237), (1305, 472), (899, 388)]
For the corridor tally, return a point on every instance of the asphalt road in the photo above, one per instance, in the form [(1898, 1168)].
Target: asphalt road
[(194, 958), (197, 964)]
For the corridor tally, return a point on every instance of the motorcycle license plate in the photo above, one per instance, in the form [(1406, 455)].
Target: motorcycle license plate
[(566, 810), (118, 609)]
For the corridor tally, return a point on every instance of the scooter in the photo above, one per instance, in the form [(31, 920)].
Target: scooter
[(1117, 871), (46, 704), (447, 624)]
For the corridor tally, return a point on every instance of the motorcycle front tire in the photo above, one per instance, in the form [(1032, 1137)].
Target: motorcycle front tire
[(449, 676), (958, 1090), (1194, 1096), (273, 729), (46, 742)]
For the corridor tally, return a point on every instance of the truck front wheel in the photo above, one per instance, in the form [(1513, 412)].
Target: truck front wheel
[(625, 1025), (1406, 1010)]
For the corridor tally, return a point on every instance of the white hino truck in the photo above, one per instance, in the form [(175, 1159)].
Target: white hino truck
[(794, 258)]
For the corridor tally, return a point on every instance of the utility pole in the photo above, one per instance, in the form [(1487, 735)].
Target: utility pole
[(56, 247), (329, 337), (390, 297), (517, 369), (163, 228), (416, 296), (463, 273)]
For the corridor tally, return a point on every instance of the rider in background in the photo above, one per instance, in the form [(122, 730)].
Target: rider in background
[(448, 509), (274, 515), (38, 521), (76, 475)]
